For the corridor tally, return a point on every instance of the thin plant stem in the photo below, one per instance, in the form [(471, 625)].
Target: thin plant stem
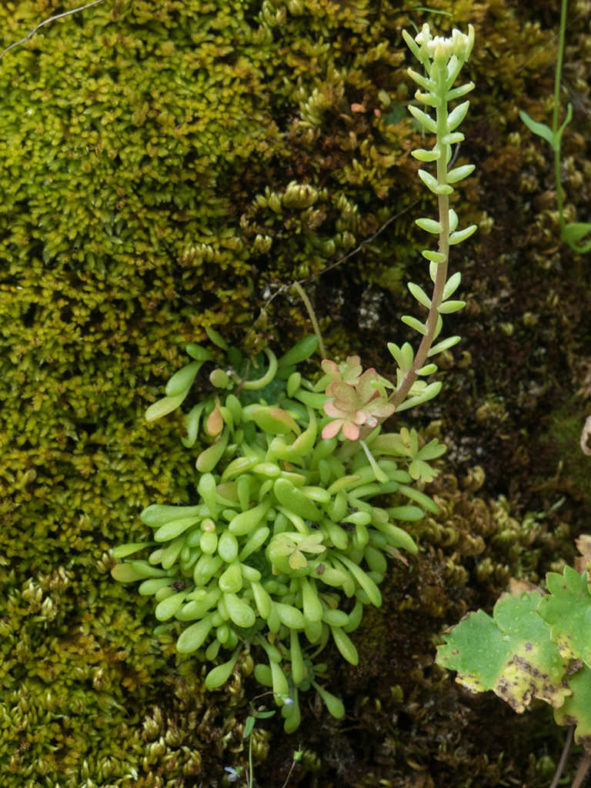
[(31, 33), (582, 771), (282, 289), (291, 768), (310, 309), (558, 141), (250, 767), (563, 758)]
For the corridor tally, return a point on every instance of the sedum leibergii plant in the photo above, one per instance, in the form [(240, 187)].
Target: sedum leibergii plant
[(299, 491)]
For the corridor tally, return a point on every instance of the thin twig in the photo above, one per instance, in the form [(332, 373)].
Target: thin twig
[(308, 304), (363, 243), (292, 767), (582, 771), (285, 288), (563, 758), (46, 22)]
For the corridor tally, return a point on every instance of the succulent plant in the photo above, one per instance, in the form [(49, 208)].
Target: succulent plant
[(289, 537), (286, 544)]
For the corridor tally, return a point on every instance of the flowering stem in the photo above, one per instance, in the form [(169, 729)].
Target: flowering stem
[(380, 475), (442, 59), (310, 309), (439, 72), (558, 140)]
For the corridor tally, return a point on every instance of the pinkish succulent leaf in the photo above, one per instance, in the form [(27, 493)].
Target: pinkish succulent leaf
[(352, 369), (332, 429), (345, 396), (333, 410), (355, 398), (215, 420), (331, 368), (348, 372), (367, 385), (350, 431), (379, 408)]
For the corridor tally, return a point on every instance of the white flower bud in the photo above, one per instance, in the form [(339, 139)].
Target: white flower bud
[(441, 49), (424, 36)]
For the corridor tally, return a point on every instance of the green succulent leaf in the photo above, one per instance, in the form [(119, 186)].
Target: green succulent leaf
[(429, 225), (426, 121), (333, 704), (419, 294), (191, 425), (460, 91), (194, 636), (459, 173), (445, 344), (165, 406), (451, 285), (452, 219), (462, 235), (424, 82), (432, 256), (183, 379), (402, 355), (305, 348), (449, 307), (428, 369), (199, 353), (428, 393), (426, 155), (414, 323), (433, 184), (452, 138), (457, 115), (124, 550), (215, 337)]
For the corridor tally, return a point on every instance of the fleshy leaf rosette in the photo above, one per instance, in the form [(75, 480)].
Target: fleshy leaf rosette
[(356, 398), (281, 548)]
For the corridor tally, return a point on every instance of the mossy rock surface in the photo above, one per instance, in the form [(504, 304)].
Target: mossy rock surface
[(170, 166)]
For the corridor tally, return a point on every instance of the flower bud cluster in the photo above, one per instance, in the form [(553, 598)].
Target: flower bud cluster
[(442, 49)]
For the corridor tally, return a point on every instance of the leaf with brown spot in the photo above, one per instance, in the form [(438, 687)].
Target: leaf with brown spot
[(511, 653)]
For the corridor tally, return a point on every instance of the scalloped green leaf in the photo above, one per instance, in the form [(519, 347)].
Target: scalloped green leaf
[(576, 709), (567, 609), (419, 469), (511, 653)]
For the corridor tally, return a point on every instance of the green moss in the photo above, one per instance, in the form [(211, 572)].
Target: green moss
[(573, 468), (141, 145)]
